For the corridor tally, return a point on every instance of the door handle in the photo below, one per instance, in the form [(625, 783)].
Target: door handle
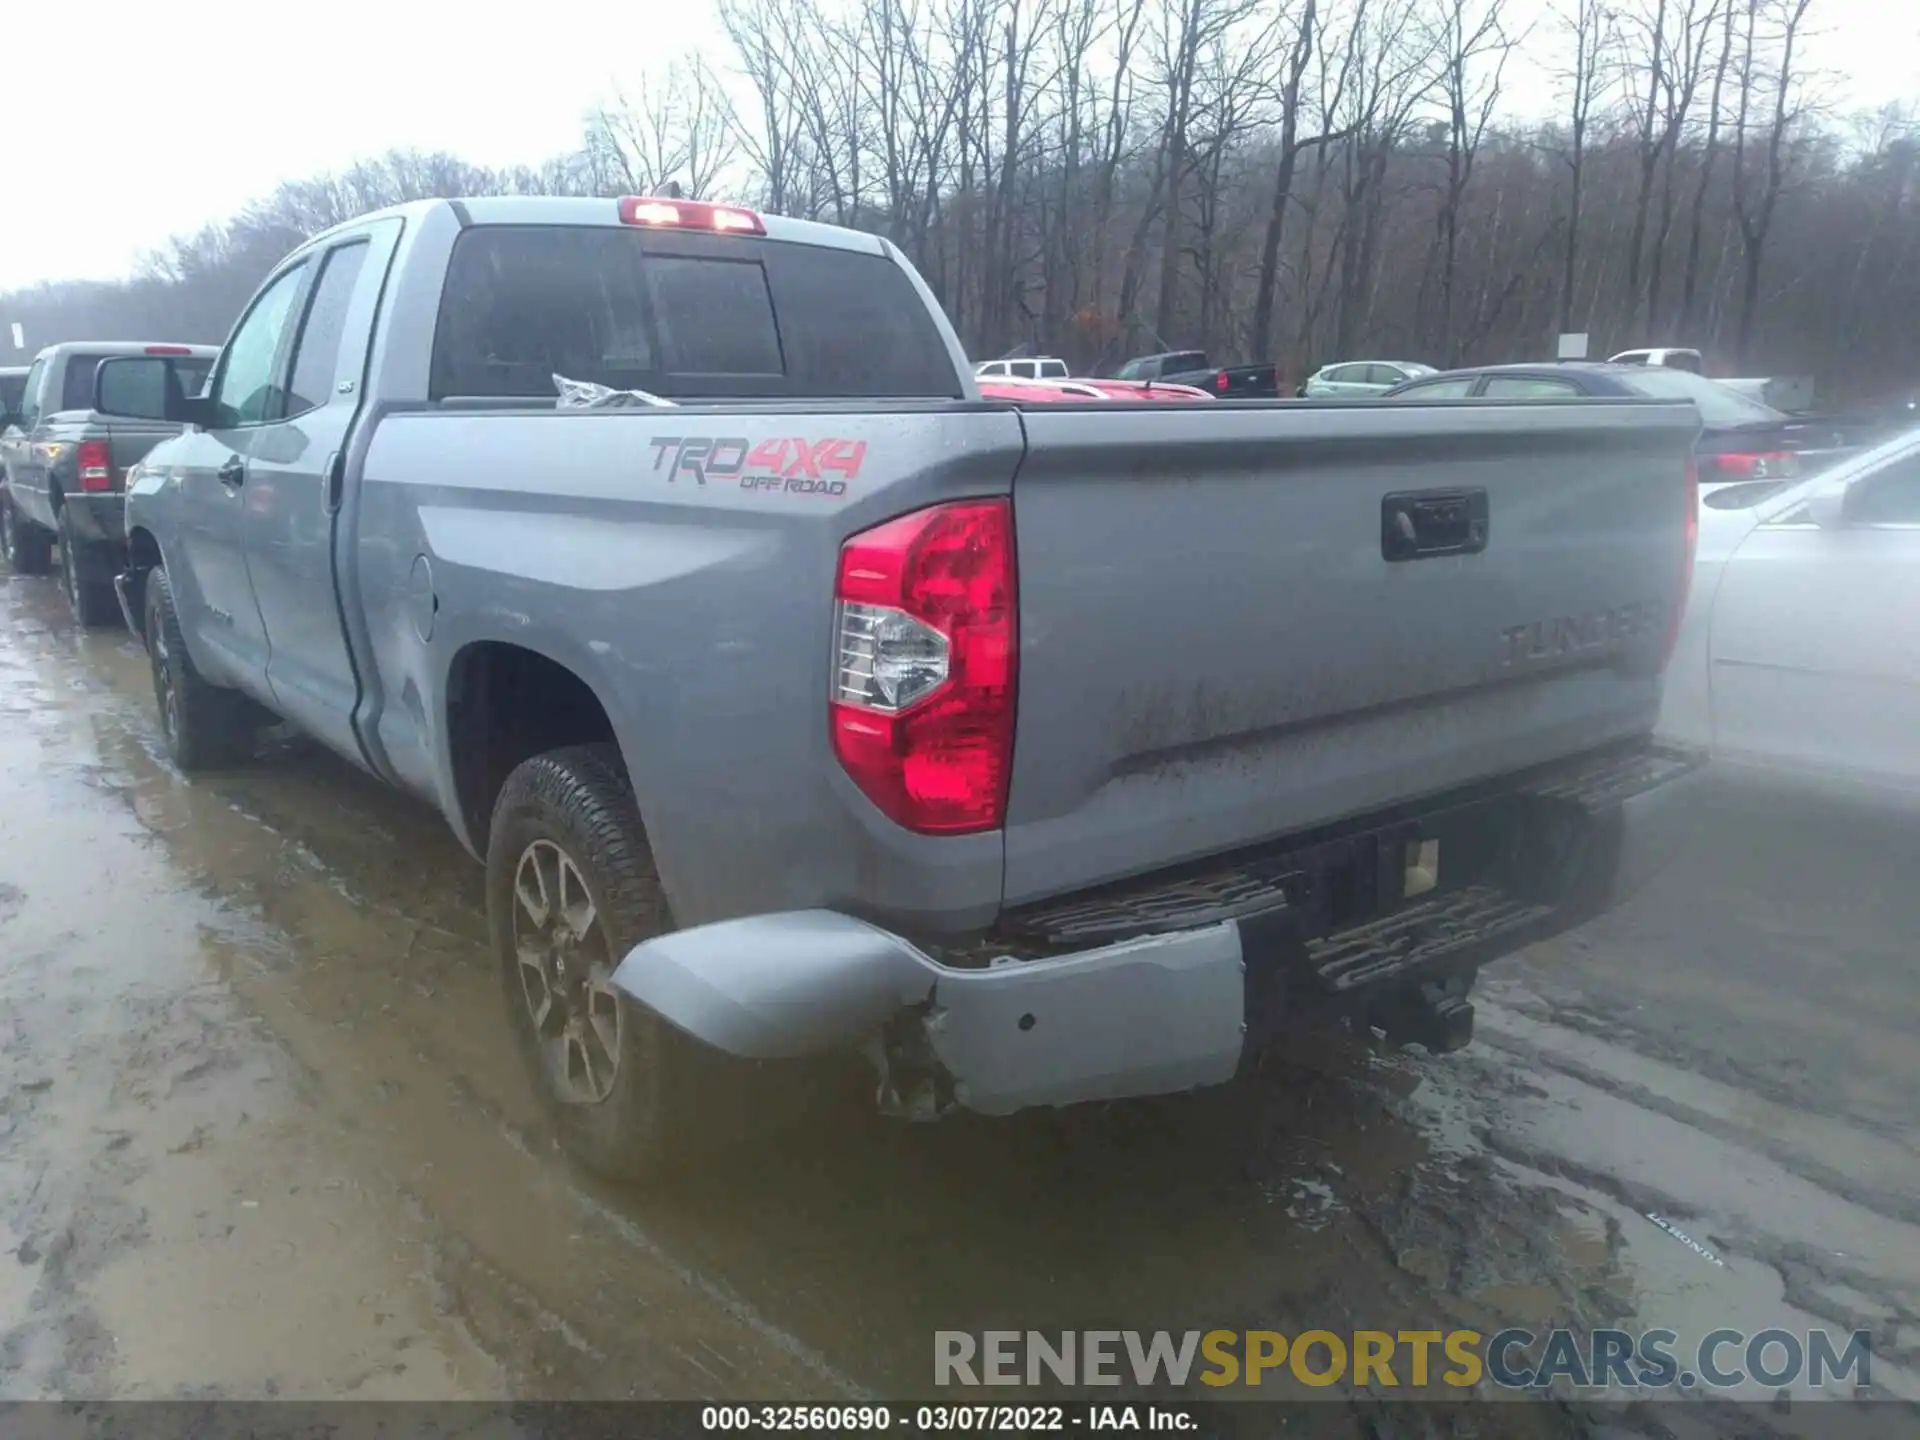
[(1420, 524), (331, 479), (233, 473)]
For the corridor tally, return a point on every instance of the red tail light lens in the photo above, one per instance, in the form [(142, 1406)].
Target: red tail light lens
[(1775, 465), (925, 665), (1692, 544), (1220, 381), (169, 350), (94, 460)]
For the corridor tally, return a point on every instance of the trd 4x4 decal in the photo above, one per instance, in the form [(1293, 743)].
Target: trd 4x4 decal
[(797, 466)]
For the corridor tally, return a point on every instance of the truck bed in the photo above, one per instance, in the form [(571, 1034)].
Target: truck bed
[(1214, 649)]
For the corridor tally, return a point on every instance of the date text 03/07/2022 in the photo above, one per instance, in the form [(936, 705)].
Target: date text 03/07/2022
[(944, 1418)]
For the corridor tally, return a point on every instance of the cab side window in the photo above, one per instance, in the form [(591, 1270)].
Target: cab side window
[(30, 404), (316, 357), (244, 392)]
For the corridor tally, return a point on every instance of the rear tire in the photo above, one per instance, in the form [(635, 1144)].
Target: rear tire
[(204, 726), (571, 887), (90, 598), (28, 548)]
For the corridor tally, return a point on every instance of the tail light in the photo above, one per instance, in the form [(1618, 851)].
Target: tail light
[(1774, 465), (169, 350), (1220, 382), (925, 664), (689, 215), (1691, 544), (94, 460)]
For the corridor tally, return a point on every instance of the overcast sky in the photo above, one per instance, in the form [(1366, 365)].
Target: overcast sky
[(183, 112)]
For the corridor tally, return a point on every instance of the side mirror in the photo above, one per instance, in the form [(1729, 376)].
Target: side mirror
[(1828, 508), (145, 387)]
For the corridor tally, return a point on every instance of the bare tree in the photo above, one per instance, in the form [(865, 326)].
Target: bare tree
[(758, 31), (1301, 50), (1756, 198), (1703, 184), (1296, 178), (1590, 25), (682, 130), (1391, 54), (1686, 48), (1473, 50)]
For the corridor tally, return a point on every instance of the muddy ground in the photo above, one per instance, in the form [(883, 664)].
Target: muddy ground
[(261, 1133)]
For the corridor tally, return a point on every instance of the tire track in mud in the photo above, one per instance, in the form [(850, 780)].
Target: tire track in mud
[(1893, 1201), (1748, 1206)]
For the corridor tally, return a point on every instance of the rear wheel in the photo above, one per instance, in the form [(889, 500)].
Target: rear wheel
[(28, 548), (205, 726), (88, 596), (571, 887)]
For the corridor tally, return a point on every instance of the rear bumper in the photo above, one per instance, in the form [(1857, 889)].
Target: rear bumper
[(1153, 1013)]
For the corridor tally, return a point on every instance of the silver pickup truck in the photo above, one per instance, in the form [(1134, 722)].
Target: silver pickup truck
[(805, 702)]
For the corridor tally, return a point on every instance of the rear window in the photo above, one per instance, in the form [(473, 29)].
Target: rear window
[(76, 389), (1719, 406), (13, 389), (680, 316)]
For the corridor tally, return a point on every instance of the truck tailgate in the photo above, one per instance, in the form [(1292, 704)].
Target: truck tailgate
[(1215, 647)]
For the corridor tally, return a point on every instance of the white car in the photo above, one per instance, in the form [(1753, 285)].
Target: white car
[(1799, 652), (1031, 367), (1363, 377)]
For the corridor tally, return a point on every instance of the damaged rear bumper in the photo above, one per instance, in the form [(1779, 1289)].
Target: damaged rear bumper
[(1149, 1016), (1152, 1013)]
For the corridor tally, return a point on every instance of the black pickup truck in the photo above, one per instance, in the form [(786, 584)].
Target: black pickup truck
[(1191, 367), (64, 464)]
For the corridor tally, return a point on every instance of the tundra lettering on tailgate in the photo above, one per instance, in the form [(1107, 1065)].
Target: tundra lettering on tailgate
[(1565, 636), (797, 466)]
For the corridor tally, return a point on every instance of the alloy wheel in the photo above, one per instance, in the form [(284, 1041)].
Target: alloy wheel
[(566, 973)]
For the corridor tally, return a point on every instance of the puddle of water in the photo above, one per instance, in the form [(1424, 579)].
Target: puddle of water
[(145, 1170)]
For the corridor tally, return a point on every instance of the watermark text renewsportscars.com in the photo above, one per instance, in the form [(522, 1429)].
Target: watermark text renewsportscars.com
[(1514, 1359)]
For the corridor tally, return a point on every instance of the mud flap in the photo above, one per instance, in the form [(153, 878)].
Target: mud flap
[(1435, 1015), (122, 591)]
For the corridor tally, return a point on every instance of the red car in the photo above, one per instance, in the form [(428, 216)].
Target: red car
[(1058, 391)]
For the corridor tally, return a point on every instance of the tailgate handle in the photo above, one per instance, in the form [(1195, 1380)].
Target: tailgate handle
[(1419, 524)]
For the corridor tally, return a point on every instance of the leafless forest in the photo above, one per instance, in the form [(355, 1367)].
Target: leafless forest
[(1295, 180)]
